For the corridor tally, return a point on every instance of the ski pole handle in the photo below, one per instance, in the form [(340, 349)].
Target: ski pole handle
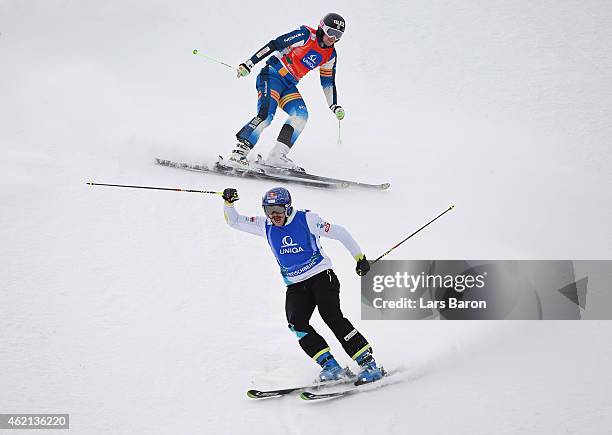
[(156, 188), (197, 53)]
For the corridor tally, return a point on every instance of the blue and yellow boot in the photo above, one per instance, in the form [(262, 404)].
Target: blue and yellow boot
[(331, 369), (369, 371)]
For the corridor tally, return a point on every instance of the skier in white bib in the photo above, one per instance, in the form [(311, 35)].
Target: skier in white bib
[(294, 237)]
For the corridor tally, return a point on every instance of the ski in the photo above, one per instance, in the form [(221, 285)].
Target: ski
[(260, 162), (220, 169), (355, 387), (307, 395), (265, 394)]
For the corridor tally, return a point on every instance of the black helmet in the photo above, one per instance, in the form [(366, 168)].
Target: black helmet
[(333, 25)]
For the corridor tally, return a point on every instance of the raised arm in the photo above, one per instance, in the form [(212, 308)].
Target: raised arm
[(249, 224)]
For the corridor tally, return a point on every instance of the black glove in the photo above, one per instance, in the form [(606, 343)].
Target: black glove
[(363, 266), (230, 195)]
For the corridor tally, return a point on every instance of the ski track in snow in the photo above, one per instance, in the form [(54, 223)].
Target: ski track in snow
[(142, 312)]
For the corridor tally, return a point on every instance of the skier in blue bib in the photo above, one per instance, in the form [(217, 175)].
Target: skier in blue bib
[(294, 238)]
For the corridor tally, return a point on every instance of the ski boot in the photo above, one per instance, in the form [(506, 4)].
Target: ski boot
[(369, 371), (238, 157), (331, 369), (278, 158)]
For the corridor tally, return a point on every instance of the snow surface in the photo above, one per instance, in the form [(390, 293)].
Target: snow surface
[(142, 312)]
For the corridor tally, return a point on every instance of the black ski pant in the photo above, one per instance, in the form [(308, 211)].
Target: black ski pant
[(321, 291)]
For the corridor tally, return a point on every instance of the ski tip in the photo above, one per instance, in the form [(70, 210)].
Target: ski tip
[(251, 394), (323, 396), (162, 162), (306, 395)]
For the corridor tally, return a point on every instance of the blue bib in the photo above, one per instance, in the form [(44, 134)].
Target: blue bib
[(294, 246)]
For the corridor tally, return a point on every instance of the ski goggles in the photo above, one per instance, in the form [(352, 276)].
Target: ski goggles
[(269, 209), (331, 31)]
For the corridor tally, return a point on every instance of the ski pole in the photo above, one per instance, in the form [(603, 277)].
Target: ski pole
[(156, 188), (339, 138), (197, 52), (428, 223)]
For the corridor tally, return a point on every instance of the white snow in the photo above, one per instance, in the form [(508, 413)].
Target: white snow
[(141, 312)]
